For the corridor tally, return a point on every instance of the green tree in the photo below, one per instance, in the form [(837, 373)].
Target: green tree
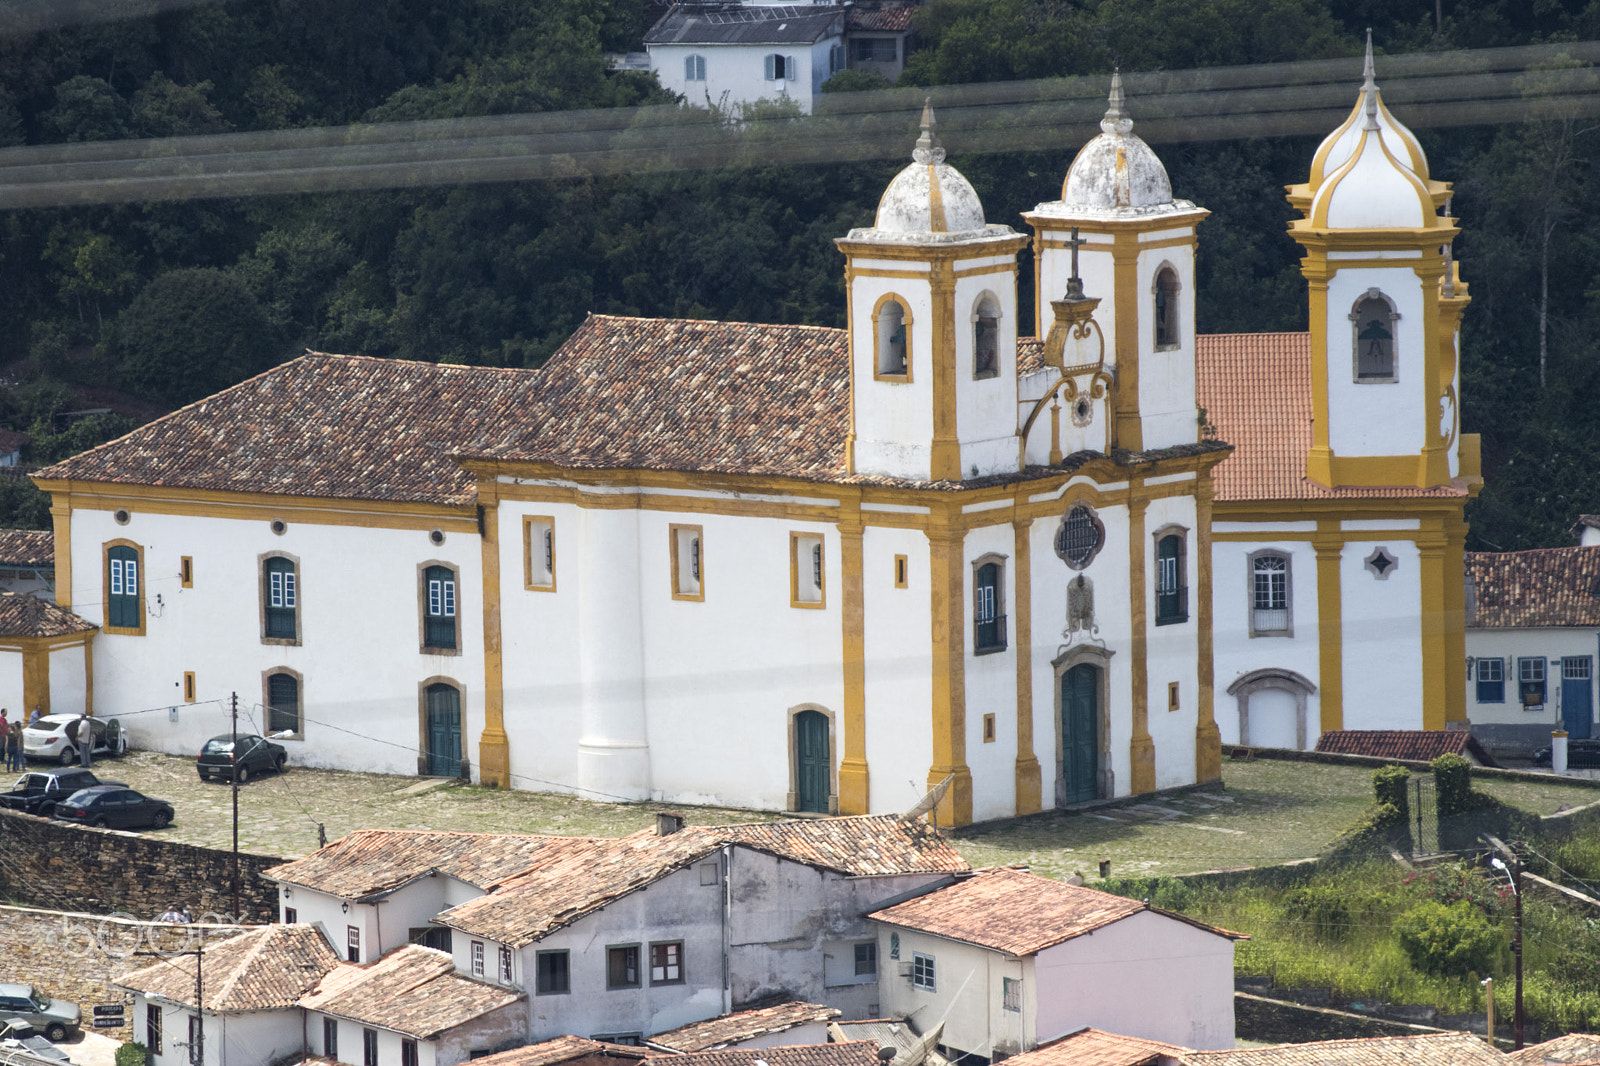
[(189, 333), (163, 108), (87, 109)]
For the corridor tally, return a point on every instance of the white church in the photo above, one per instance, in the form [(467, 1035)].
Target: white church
[(797, 568)]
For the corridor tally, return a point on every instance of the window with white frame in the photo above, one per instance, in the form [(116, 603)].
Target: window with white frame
[(1530, 681), (805, 570), (505, 965), (1269, 594), (1491, 680), (694, 68), (782, 68), (988, 606), (477, 958), (922, 975), (866, 958)]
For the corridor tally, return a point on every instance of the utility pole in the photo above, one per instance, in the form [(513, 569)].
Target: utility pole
[(1514, 875), (199, 1049), (234, 706)]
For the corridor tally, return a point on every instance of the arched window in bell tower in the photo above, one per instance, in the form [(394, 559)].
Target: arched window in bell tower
[(1166, 295), (986, 338), (890, 326), (1373, 317)]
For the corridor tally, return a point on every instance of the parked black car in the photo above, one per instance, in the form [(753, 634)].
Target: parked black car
[(252, 754), (38, 792), (1581, 754), (114, 807)]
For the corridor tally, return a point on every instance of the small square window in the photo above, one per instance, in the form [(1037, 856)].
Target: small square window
[(900, 572), (622, 966), (988, 729), (1011, 992), (1491, 680), (922, 975), (709, 872), (553, 977), (352, 944), (867, 958), (186, 572), (290, 916), (666, 963)]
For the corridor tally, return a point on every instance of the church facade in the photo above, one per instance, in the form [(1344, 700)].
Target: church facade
[(809, 569)]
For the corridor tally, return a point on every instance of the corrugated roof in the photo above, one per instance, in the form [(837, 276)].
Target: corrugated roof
[(325, 426), (412, 990), (1423, 745), (1017, 912), (741, 24), (744, 1025), (27, 547), (1434, 1049), (373, 861), (1256, 391), (1542, 587), (265, 969), (855, 1053), (1570, 1049), (1096, 1047), (29, 616)]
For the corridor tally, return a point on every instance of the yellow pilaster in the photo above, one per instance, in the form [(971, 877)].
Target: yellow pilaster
[(88, 674), (1319, 459), (1455, 631), (854, 797), (35, 677), (61, 516), (494, 747), (1141, 749), (1027, 767), (1328, 543), (948, 638), (1433, 548), (1207, 738), (1433, 465), (946, 451), (1127, 430)]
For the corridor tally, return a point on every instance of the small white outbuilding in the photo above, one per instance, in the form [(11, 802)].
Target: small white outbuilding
[(1009, 960)]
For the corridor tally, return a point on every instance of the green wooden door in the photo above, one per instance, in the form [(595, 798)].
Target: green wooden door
[(813, 768), (1080, 729), (444, 731)]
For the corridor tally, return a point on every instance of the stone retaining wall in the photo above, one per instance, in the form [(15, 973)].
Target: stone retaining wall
[(74, 868), (76, 957)]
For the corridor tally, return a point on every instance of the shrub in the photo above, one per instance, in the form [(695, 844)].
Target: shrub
[(1452, 781), (133, 1053), (1168, 893), (1456, 884), (1448, 939), (1381, 827), (1324, 907), (1389, 786)]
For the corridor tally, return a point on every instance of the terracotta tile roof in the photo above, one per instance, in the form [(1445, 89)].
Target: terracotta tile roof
[(27, 547), (1543, 587), (744, 1025), (265, 969), (1096, 1047), (28, 616), (676, 394), (1572, 1048), (1433, 1049), (327, 426), (412, 990), (1423, 745), (1256, 390), (862, 845), (855, 1053), (1016, 912), (563, 1049), (879, 20), (374, 861)]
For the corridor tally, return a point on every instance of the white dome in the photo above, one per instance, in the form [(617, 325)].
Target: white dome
[(1337, 148), (1116, 169), (1372, 189), (927, 198)]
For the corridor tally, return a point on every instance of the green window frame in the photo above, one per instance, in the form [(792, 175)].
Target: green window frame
[(123, 610), (280, 591)]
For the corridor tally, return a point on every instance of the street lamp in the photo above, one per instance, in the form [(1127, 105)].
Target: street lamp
[(1516, 941)]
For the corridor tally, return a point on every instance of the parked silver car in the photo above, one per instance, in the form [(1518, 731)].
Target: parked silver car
[(55, 1018)]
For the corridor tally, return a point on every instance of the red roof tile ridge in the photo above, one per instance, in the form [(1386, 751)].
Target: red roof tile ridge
[(645, 320)]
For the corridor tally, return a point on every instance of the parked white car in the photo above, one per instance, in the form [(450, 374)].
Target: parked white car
[(49, 739)]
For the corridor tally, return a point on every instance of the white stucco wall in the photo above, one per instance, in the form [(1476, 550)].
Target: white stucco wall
[(737, 73), (11, 685), (253, 1039), (986, 408), (967, 993), (893, 418), (359, 604), (1384, 418), (1173, 650), (1512, 645), (1382, 639), (69, 681), (1166, 375), (899, 668)]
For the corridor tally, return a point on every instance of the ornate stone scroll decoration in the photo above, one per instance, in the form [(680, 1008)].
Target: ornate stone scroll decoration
[(1076, 347), (1081, 624)]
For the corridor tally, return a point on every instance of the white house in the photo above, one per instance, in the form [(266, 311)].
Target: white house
[(731, 54), (28, 562), (1009, 960), (866, 560), (252, 984), (1533, 630)]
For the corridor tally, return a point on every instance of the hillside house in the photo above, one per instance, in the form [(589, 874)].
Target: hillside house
[(730, 54)]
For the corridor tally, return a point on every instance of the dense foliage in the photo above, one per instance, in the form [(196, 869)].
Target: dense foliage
[(168, 301)]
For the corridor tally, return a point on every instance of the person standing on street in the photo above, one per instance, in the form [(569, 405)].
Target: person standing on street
[(14, 746), (84, 738), (5, 734)]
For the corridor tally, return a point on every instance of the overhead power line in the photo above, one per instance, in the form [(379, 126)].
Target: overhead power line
[(1459, 88)]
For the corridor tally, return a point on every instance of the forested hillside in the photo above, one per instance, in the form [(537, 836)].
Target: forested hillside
[(167, 302)]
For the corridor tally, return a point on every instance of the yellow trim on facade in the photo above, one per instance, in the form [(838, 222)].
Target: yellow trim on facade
[(1329, 545), (61, 521), (528, 522), (947, 580), (494, 746), (906, 321), (1207, 737), (821, 602), (1141, 748), (1127, 427), (1435, 617), (698, 540), (1026, 774), (854, 777), (1455, 626), (944, 460)]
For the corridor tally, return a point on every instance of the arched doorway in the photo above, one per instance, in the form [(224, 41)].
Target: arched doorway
[(813, 765), (444, 730), (1080, 733), (1274, 709)]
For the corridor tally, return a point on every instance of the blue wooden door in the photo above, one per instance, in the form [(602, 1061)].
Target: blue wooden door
[(1577, 700), (444, 731), (813, 765), (1080, 733)]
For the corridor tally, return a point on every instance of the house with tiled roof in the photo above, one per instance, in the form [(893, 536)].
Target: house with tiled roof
[(1533, 625), (1407, 745), (1096, 1047), (1011, 960), (879, 36), (1338, 536), (28, 562), (790, 1021), (1430, 1049), (722, 54), (796, 568)]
